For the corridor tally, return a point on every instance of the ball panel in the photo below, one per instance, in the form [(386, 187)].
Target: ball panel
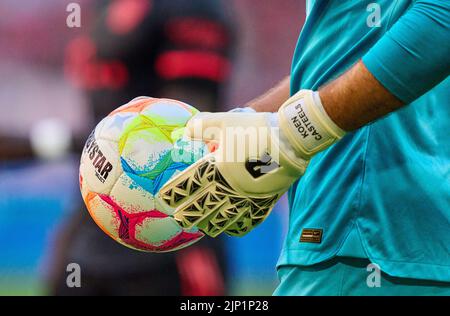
[(168, 112), (181, 241), (131, 196), (165, 234), (147, 154), (101, 165), (157, 231), (83, 185), (112, 127), (144, 148), (103, 214), (134, 106)]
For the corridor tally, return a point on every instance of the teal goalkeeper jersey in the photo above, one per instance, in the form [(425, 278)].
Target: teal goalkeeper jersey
[(382, 192)]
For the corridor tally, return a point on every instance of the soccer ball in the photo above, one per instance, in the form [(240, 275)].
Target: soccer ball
[(126, 160)]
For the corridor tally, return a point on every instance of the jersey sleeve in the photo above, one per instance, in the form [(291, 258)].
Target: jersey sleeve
[(414, 55)]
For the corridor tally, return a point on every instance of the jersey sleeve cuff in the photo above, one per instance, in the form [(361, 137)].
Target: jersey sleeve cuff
[(379, 62)]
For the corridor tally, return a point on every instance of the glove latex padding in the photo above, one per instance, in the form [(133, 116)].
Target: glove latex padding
[(234, 189)]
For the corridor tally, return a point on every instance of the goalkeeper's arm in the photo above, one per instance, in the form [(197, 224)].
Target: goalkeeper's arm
[(410, 59)]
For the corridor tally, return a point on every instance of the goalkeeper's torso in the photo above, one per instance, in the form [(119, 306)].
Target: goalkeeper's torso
[(382, 192)]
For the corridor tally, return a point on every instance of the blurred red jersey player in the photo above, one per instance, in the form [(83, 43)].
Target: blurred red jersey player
[(176, 49)]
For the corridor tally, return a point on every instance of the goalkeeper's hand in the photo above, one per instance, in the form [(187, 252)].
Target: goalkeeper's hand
[(258, 157)]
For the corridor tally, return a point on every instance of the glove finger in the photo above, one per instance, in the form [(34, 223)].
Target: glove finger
[(237, 214), (188, 192), (201, 198), (187, 183), (206, 126), (223, 217), (249, 220)]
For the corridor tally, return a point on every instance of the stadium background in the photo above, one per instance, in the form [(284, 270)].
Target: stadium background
[(35, 196)]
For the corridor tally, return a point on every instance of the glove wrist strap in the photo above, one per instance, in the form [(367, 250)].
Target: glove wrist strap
[(306, 124)]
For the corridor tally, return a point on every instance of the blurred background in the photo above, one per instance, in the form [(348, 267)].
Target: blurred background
[(56, 81)]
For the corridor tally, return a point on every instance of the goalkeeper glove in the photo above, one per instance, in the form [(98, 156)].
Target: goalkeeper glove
[(259, 156)]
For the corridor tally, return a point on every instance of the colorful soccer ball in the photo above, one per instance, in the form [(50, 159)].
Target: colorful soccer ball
[(126, 160)]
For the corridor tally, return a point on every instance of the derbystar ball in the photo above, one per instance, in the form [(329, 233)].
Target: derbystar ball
[(126, 160)]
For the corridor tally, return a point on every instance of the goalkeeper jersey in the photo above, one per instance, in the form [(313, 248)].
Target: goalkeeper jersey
[(382, 192)]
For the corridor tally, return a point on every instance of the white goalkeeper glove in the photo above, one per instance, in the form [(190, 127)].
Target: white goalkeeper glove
[(259, 157)]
